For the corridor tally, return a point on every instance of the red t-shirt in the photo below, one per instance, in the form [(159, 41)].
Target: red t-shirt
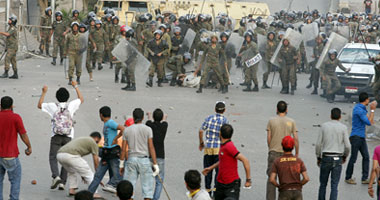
[(228, 164), (10, 125)]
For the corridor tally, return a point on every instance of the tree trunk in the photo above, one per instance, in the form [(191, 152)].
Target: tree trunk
[(43, 5)]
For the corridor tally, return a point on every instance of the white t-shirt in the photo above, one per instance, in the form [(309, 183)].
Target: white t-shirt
[(51, 108)]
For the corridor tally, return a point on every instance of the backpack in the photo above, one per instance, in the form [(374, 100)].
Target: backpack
[(62, 121)]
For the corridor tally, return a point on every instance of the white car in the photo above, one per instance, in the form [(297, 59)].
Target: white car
[(359, 79)]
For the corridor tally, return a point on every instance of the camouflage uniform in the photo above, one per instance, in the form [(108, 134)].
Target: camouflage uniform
[(225, 74), (11, 47), (317, 51), (175, 63), (288, 56), (130, 64), (250, 73), (220, 28), (158, 62), (212, 62), (376, 83), (176, 42), (139, 30), (59, 27), (304, 64), (148, 36), (327, 71), (270, 49), (90, 51), (45, 34), (100, 39), (107, 26), (241, 31), (73, 51)]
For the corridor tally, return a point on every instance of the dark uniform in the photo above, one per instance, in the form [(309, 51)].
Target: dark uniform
[(288, 57)]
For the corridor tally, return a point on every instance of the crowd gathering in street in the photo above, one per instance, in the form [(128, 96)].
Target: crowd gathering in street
[(135, 150)]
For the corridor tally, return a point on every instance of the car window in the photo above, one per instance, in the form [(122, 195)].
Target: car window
[(357, 56)]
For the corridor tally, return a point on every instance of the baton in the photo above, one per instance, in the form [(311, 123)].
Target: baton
[(166, 192), (364, 42), (274, 74)]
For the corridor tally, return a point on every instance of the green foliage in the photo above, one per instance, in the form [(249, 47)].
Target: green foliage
[(67, 15)]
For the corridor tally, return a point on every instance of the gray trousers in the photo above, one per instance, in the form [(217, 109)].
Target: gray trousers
[(56, 142), (271, 189)]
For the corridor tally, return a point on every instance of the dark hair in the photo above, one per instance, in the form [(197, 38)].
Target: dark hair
[(6, 102), (95, 134), (105, 111), (335, 113), (124, 190), (363, 97), (62, 94), (84, 195), (158, 115), (282, 106), (287, 149), (226, 131), (193, 179), (220, 107), (138, 115)]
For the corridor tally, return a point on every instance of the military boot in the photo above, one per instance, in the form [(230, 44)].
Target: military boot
[(255, 89), (127, 86), (164, 80), (54, 61), (265, 86), (132, 88), (111, 65), (310, 85), (61, 61), (14, 76), (93, 65), (323, 95), (172, 82), (47, 51), (123, 79), (292, 91), (243, 83), (224, 90), (159, 83), (116, 78), (150, 81), (285, 90), (315, 91), (78, 80), (100, 67), (330, 98), (248, 89), (5, 75), (200, 88), (70, 79)]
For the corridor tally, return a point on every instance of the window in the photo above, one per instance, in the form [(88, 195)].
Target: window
[(357, 56), (140, 7), (112, 4)]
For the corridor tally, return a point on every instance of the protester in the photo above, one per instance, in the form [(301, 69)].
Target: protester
[(289, 169), (83, 195), (193, 185), (332, 149), (61, 114), (124, 190), (211, 126), (70, 157), (360, 119), (11, 125), (278, 127), (110, 154), (139, 139), (159, 127), (228, 181), (375, 173)]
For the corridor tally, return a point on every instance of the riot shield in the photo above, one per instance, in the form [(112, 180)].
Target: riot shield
[(187, 42), (343, 31), (137, 59), (83, 41), (231, 25), (309, 33), (328, 28), (295, 39), (121, 51), (268, 20), (251, 26), (262, 45), (335, 41), (234, 44), (297, 25)]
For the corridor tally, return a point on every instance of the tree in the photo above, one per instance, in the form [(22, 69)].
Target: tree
[(43, 5)]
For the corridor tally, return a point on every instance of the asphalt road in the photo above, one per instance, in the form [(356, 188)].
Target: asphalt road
[(247, 112)]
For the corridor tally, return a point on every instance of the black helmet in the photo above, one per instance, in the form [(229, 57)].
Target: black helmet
[(81, 25), (106, 11), (224, 34), (98, 22), (332, 51), (300, 28), (153, 23), (47, 10), (90, 15), (280, 24), (273, 24), (111, 12), (177, 29), (271, 33), (222, 21), (142, 18), (148, 16), (182, 19), (248, 34), (158, 32), (58, 13), (130, 33), (173, 18), (159, 16), (13, 19), (115, 17), (168, 26), (289, 26), (243, 21), (162, 26), (75, 12)]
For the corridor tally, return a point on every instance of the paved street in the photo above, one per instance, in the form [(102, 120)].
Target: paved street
[(247, 112)]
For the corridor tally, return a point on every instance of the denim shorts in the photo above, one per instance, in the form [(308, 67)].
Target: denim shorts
[(142, 167)]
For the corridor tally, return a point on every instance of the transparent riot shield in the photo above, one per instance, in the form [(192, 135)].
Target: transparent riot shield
[(328, 28), (295, 39), (262, 45), (234, 43), (343, 31), (335, 41), (121, 50), (231, 24), (268, 20), (83, 41), (297, 25), (309, 33), (251, 26), (187, 42)]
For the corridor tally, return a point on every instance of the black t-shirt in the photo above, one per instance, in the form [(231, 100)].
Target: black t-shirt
[(159, 132)]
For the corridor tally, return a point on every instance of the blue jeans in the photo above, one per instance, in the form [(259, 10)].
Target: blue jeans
[(158, 188), (329, 165), (358, 144), (104, 165), (140, 166), (209, 160), (368, 10), (13, 168)]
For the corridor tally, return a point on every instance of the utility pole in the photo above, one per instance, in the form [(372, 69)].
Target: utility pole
[(52, 10), (74, 2), (8, 11)]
